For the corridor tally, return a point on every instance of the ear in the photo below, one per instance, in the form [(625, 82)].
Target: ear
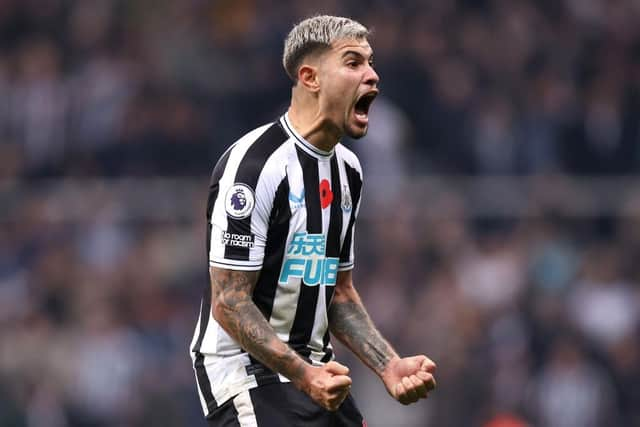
[(308, 77)]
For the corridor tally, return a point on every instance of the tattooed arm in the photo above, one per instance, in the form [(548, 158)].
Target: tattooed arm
[(406, 379), (234, 309), (351, 324)]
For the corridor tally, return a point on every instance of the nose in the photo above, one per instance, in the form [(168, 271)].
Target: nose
[(371, 78)]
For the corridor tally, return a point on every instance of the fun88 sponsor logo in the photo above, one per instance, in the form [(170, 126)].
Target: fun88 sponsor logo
[(306, 260)]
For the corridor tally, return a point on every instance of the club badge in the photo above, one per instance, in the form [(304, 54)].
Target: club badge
[(346, 199)]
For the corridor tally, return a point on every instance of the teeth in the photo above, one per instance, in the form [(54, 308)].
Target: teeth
[(362, 117)]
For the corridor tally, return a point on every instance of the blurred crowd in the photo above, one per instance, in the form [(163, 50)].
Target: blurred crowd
[(533, 319), (160, 87), (532, 316)]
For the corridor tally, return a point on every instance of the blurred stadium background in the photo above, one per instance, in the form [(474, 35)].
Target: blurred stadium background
[(501, 232)]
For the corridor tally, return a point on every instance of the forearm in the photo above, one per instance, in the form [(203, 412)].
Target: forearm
[(352, 325), (236, 312)]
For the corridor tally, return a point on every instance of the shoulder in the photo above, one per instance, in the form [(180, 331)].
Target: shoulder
[(239, 146), (252, 153), (258, 161), (349, 157), (256, 135)]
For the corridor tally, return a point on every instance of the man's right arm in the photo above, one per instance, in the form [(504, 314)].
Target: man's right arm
[(234, 309)]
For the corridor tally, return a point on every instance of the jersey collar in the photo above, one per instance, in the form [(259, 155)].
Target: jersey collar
[(302, 142)]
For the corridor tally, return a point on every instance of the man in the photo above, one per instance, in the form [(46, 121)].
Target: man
[(282, 205)]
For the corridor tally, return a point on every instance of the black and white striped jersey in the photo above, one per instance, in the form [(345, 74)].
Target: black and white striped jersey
[(279, 205)]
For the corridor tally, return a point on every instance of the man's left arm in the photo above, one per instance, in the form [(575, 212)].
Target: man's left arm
[(406, 379)]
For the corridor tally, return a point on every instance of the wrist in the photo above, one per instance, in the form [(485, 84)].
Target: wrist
[(388, 367), (301, 372)]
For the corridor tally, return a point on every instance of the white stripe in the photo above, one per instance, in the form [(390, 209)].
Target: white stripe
[(283, 379), (345, 266), (235, 265), (285, 304), (316, 356), (210, 339), (246, 413), (271, 175), (228, 375), (353, 229), (344, 183)]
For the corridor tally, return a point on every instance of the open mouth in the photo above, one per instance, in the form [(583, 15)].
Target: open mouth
[(361, 108)]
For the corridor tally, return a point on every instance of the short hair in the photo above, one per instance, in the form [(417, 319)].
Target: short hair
[(316, 34)]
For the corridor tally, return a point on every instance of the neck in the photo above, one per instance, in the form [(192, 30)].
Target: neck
[(312, 125)]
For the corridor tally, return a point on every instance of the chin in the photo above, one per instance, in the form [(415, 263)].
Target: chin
[(356, 132)]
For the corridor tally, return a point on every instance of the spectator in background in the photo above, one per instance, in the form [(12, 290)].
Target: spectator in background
[(604, 306), (39, 102), (571, 391)]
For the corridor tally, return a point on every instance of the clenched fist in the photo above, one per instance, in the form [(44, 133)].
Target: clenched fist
[(409, 379), (327, 385)]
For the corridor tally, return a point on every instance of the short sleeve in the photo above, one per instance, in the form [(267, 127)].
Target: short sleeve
[(244, 197)]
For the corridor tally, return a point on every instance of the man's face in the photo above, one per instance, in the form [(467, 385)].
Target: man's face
[(348, 85)]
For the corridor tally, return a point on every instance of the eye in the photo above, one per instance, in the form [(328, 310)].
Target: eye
[(352, 64)]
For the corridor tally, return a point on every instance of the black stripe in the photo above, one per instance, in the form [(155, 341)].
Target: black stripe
[(326, 338), (226, 415), (265, 291), (248, 172), (302, 328), (333, 240), (355, 187), (203, 382), (277, 406), (205, 310), (335, 221), (263, 374), (311, 179), (328, 353), (214, 188)]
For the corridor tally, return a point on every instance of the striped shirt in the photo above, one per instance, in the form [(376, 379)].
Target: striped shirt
[(282, 206)]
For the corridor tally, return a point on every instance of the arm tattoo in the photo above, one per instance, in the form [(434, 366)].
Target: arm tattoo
[(236, 312), (350, 323)]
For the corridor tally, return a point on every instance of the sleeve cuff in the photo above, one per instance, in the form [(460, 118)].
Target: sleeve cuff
[(344, 266), (235, 265)]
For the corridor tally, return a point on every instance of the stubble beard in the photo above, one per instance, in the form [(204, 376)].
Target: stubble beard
[(359, 133)]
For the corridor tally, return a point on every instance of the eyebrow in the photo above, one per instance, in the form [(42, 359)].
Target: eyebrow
[(355, 53)]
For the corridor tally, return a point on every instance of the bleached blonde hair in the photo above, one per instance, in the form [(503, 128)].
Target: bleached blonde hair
[(316, 34)]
